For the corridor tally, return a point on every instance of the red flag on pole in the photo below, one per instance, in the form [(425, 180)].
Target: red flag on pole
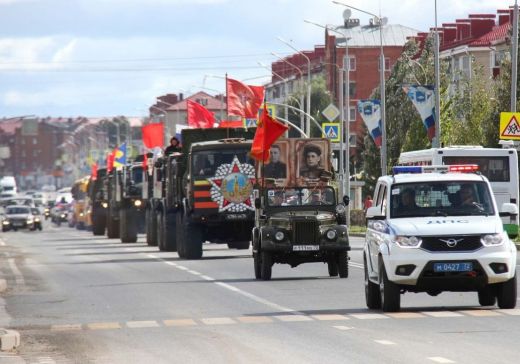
[(243, 100), (231, 124), (199, 116), (110, 160), (93, 171), (153, 135), (267, 132)]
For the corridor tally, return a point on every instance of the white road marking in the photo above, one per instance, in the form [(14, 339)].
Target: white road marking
[(194, 272), (369, 316), (512, 312), (385, 342), (181, 267), (72, 327), (152, 256), (343, 328), (293, 318), (104, 325), (142, 324), (218, 321), (442, 314), (355, 265), (440, 359), (404, 315), (180, 322), (207, 278), (2, 243), (325, 317), (254, 319), (481, 313), (171, 263), (18, 276)]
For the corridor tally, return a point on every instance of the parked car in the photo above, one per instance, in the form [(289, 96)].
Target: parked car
[(17, 217)]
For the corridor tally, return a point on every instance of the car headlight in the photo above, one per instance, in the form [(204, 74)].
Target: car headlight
[(81, 214), (29, 221), (104, 204), (492, 239), (137, 203), (5, 222), (279, 236), (331, 234), (340, 209), (408, 241), (37, 219), (62, 216)]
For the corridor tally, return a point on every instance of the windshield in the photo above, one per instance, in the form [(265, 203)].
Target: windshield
[(450, 198), (496, 169), (16, 210), (206, 162), (319, 196), (137, 175)]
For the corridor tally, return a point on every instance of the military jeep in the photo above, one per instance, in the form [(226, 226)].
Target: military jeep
[(300, 225)]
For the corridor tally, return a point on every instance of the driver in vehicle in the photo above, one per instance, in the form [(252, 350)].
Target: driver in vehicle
[(467, 195)]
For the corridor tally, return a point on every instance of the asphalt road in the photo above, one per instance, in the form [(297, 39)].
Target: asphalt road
[(76, 298)]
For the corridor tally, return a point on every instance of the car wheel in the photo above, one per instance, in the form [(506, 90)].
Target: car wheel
[(258, 265), (372, 296), (389, 291), (487, 296), (266, 265), (506, 294), (333, 268), (342, 263)]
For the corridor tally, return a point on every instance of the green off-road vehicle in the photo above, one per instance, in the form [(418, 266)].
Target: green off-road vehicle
[(295, 225)]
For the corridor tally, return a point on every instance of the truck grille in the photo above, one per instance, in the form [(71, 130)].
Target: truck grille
[(305, 232), (457, 243)]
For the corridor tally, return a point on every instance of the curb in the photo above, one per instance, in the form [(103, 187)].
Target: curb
[(9, 339), (3, 285)]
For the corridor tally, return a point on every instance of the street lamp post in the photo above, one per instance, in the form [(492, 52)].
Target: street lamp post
[(309, 87), (437, 142), (380, 21), (301, 78), (514, 57)]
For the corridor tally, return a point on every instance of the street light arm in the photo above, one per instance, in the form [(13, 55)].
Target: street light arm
[(352, 7)]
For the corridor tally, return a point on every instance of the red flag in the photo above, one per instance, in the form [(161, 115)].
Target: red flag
[(199, 116), (110, 160), (153, 135), (267, 132), (243, 100), (93, 171), (231, 124), (145, 162)]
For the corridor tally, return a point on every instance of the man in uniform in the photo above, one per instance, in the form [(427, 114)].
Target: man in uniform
[(275, 168)]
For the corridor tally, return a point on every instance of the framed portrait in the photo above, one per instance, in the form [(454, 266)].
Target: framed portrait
[(312, 158), (277, 170)]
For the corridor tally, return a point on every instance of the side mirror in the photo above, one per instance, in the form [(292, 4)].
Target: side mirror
[(346, 200), (508, 209), (258, 203), (374, 212)]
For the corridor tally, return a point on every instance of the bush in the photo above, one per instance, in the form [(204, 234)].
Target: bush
[(357, 217)]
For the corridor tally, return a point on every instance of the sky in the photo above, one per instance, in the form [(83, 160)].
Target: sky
[(115, 57)]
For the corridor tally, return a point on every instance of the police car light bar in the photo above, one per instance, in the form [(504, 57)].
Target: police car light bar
[(436, 168)]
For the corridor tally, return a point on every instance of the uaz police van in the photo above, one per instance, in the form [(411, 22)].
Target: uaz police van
[(435, 229)]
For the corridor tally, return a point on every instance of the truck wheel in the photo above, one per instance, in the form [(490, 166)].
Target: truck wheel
[(128, 226), (266, 265), (240, 245), (170, 239), (372, 297), (98, 226), (192, 241), (333, 268), (389, 291), (342, 264), (258, 265), (160, 231), (506, 294), (487, 296), (151, 228), (179, 234)]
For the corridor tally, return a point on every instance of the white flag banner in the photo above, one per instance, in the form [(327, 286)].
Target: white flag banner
[(423, 98), (370, 111)]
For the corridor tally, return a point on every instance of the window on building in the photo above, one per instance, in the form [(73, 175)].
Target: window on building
[(352, 63), (352, 88), (352, 114), (23, 165), (23, 141), (35, 153), (465, 65), (203, 102), (352, 140), (23, 153), (276, 92), (387, 64), (290, 87), (35, 141)]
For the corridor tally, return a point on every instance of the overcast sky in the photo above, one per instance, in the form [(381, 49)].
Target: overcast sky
[(114, 57)]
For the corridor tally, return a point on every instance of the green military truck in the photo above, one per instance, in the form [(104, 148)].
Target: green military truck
[(207, 192), (112, 214), (98, 202), (129, 200)]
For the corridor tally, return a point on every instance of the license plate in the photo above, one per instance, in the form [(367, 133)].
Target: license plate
[(305, 248), (452, 267), (17, 224)]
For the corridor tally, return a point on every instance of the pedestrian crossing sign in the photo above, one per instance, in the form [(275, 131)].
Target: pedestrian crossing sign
[(510, 125), (332, 131)]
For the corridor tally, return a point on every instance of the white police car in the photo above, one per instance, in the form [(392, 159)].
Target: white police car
[(435, 229)]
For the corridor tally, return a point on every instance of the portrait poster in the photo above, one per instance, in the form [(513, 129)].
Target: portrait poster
[(277, 170), (312, 159)]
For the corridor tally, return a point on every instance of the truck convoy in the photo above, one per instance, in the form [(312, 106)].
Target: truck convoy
[(203, 194)]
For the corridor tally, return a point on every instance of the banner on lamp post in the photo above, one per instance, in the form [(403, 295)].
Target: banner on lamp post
[(370, 111)]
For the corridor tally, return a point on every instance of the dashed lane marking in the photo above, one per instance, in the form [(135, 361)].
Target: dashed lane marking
[(218, 321), (512, 312), (207, 278), (385, 342), (440, 359), (343, 328), (405, 315), (369, 316), (323, 317), (142, 324), (104, 326), (180, 322), (194, 272), (442, 314), (18, 276), (72, 327), (293, 318), (254, 319), (481, 313)]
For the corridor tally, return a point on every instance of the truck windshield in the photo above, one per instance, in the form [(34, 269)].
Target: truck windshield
[(438, 198), (137, 175), (319, 196), (17, 210), (206, 162)]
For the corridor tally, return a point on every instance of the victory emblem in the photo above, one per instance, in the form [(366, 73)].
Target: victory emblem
[(232, 186)]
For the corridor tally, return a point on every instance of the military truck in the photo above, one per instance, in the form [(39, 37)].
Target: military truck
[(97, 202), (129, 202), (207, 192), (112, 214), (299, 218)]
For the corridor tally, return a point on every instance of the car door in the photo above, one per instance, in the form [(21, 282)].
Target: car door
[(376, 235)]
